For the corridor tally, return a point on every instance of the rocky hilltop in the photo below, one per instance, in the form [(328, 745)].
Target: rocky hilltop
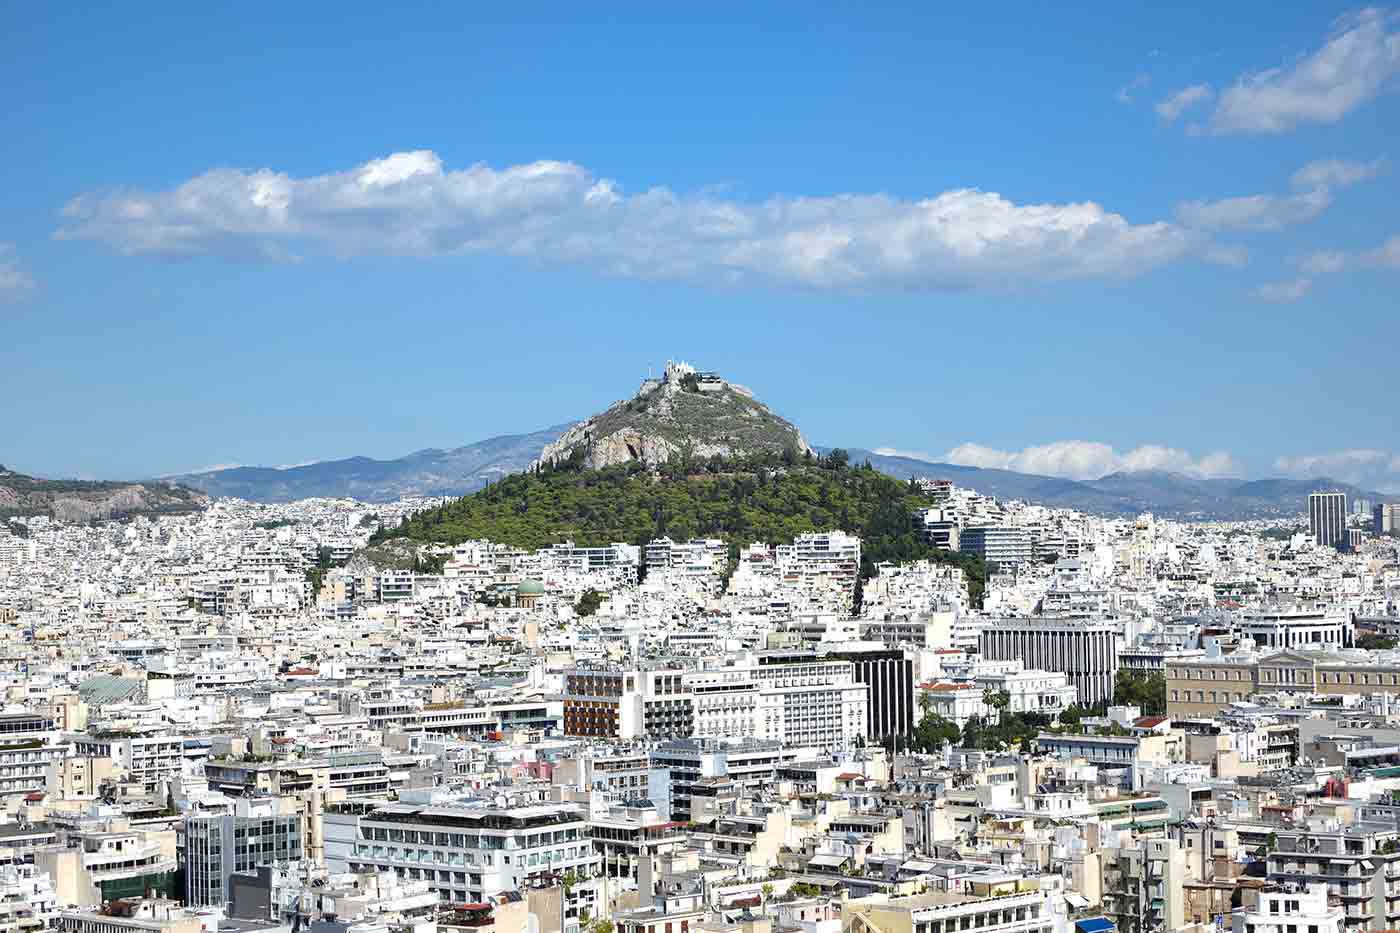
[(83, 501), (684, 413)]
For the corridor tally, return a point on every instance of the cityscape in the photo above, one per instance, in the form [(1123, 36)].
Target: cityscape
[(417, 511)]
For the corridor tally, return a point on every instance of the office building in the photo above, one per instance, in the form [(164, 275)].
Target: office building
[(1085, 651), (258, 832), (888, 674), (1386, 516), (1327, 518), (1297, 628)]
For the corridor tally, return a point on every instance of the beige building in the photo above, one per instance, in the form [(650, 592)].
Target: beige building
[(81, 776), (1010, 906), (132, 915), (1206, 686)]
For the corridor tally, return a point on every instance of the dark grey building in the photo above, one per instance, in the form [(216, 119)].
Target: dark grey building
[(1327, 518), (889, 675)]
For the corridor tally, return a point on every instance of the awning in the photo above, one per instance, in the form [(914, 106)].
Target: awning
[(1077, 901), (828, 861), (1094, 925)]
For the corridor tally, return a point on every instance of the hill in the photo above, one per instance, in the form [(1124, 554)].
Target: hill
[(761, 498), (1170, 495), (82, 501), (431, 472), (685, 414)]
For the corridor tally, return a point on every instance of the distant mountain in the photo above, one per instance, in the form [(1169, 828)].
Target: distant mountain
[(1171, 495), (696, 415), (431, 472), (82, 501), (686, 414)]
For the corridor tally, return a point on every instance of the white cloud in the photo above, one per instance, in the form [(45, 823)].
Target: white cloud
[(1352, 67), (410, 204), (1366, 467), (1221, 255), (1258, 212), (975, 455), (1323, 262), (1387, 254), (1127, 94), (1267, 213), (15, 281), (1337, 173), (898, 452), (1174, 105), (208, 468), (1082, 460), (1284, 291)]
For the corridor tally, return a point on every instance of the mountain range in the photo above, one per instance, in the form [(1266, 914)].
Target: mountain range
[(462, 470), (693, 414), (84, 500), (1170, 495), (454, 471)]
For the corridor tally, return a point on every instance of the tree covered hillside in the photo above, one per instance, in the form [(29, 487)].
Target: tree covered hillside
[(766, 498)]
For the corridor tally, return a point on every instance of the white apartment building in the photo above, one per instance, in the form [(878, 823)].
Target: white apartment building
[(619, 558), (1284, 907), (821, 560), (997, 544), (465, 853), (27, 899), (816, 703), (26, 748), (697, 564)]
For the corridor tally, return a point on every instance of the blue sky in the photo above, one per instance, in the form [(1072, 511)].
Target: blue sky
[(1059, 240)]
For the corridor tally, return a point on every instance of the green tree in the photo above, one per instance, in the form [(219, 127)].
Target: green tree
[(739, 500), (1071, 715), (1147, 692), (932, 733), (588, 603), (998, 700)]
